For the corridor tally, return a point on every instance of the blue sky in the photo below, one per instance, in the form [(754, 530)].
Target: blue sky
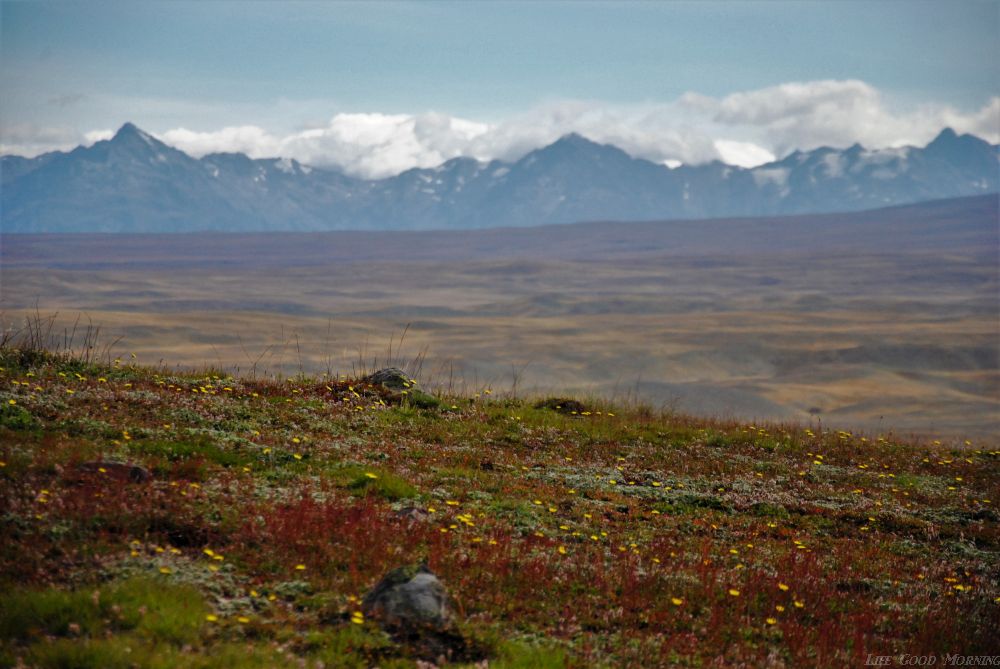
[(486, 76)]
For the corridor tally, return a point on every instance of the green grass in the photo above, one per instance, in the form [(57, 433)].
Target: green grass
[(151, 608), (203, 448)]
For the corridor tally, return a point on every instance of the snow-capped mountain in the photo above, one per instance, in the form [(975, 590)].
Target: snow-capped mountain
[(135, 183)]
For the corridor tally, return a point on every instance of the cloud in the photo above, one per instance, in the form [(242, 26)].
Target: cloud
[(744, 154), (95, 136), (251, 140), (745, 128), (837, 113), (30, 139), (375, 145)]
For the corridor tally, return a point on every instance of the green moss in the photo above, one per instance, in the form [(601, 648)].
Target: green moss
[(421, 400), (153, 609), (523, 655), (180, 450), (80, 654), (130, 652), (25, 613), (16, 417), (353, 646), (374, 482)]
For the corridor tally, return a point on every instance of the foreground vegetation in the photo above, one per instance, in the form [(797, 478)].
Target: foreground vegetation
[(568, 535)]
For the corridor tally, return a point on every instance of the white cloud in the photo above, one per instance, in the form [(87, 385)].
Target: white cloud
[(30, 139), (743, 154), (745, 128), (97, 136), (251, 140), (835, 113)]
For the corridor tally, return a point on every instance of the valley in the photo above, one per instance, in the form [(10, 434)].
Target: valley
[(884, 320)]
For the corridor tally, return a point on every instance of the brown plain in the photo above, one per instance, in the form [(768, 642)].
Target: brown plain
[(884, 320)]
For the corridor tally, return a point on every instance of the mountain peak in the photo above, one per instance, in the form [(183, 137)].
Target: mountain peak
[(128, 128), (129, 131), (946, 135), (957, 147), (574, 139)]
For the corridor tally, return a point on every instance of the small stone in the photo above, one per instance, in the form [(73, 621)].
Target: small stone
[(562, 405), (412, 514), (118, 471)]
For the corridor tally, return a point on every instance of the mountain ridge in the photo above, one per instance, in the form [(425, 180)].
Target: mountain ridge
[(136, 183)]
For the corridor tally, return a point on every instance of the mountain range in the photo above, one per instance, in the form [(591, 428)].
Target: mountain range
[(135, 183)]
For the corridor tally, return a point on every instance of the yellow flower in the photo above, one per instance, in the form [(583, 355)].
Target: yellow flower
[(371, 476), (772, 621), (562, 550), (783, 587), (164, 570), (779, 608), (734, 592), (243, 619), (300, 567), (676, 601), (799, 604), (211, 617)]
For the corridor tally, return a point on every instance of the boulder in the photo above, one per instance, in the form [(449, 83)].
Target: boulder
[(409, 598), (392, 378), (412, 605)]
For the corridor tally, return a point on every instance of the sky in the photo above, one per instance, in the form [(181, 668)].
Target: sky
[(375, 88)]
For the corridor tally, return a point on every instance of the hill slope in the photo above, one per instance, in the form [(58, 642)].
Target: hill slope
[(604, 537), (135, 183)]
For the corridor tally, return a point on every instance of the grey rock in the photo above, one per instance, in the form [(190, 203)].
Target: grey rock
[(410, 598), (412, 514), (392, 378)]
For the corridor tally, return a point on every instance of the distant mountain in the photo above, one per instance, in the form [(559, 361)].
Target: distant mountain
[(135, 183)]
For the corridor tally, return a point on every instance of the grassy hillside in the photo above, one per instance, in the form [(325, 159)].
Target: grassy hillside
[(608, 536)]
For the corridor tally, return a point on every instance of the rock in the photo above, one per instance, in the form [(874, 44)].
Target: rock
[(392, 378), (412, 514), (409, 598), (562, 405), (118, 471), (412, 605)]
